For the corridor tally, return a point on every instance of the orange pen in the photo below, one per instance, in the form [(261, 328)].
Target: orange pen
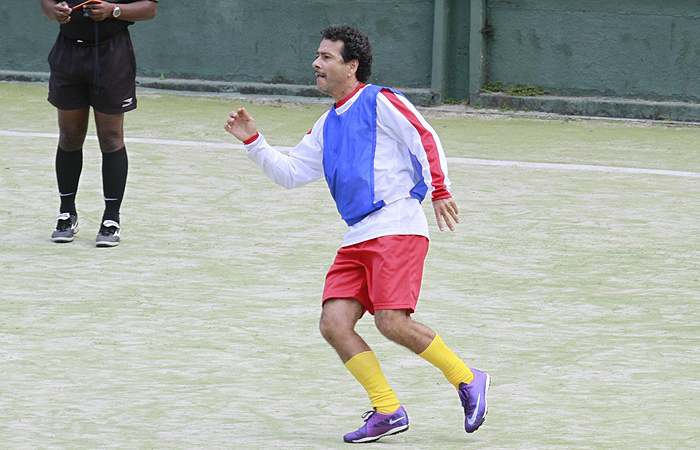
[(86, 3)]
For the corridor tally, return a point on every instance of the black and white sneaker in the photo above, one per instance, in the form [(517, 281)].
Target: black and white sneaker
[(108, 236), (66, 228)]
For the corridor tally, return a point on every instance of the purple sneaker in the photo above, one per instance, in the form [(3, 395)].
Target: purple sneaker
[(473, 397), (378, 425)]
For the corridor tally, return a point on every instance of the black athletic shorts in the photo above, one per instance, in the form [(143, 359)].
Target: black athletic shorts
[(72, 82)]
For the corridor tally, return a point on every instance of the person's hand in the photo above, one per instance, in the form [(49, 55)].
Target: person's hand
[(446, 209), (99, 11), (61, 12), (241, 125)]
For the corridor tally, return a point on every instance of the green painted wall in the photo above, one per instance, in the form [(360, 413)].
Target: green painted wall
[(450, 57), (646, 49), (25, 36), (276, 40), (245, 41), (625, 48)]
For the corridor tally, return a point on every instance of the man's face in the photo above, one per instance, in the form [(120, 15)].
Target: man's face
[(331, 71)]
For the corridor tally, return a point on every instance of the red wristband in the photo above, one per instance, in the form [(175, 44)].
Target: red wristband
[(251, 140)]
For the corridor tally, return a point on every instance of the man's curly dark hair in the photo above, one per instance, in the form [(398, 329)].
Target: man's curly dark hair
[(355, 46)]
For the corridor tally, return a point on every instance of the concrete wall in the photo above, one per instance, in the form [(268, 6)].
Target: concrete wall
[(25, 36), (271, 41), (647, 49), (624, 48), (276, 40), (451, 47)]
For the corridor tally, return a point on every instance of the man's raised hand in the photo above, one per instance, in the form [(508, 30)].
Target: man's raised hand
[(241, 125)]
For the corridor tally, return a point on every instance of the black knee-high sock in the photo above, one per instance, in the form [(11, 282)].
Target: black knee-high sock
[(115, 166), (69, 165)]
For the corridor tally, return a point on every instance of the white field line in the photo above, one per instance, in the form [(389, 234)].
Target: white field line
[(455, 159), (574, 167)]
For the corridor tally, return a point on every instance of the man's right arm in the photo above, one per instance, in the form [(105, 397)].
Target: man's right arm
[(53, 10), (303, 164)]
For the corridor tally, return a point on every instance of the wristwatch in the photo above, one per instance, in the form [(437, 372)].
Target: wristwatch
[(116, 12)]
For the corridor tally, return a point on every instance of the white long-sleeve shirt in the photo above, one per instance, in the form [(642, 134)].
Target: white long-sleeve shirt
[(403, 136)]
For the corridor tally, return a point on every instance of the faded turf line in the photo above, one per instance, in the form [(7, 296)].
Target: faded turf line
[(574, 167), (453, 159)]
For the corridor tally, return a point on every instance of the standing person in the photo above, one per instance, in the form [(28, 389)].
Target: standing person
[(380, 159), (92, 64)]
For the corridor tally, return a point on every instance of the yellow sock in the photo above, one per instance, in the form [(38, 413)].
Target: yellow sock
[(365, 367), (440, 355)]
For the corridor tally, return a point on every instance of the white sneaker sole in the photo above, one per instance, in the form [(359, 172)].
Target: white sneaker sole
[(106, 243), (367, 440)]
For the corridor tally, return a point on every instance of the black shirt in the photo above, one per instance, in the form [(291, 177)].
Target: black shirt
[(83, 28)]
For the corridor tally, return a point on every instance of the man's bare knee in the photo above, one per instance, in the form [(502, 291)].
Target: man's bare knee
[(73, 126), (71, 144), (338, 318), (111, 142), (391, 323), (110, 131), (328, 327), (72, 139)]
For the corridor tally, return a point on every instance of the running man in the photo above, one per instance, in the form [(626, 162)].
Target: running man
[(92, 64), (380, 159)]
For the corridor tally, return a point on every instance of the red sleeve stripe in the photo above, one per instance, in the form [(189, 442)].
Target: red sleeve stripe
[(251, 139), (429, 144)]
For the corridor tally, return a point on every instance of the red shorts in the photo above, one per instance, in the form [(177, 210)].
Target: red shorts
[(382, 273)]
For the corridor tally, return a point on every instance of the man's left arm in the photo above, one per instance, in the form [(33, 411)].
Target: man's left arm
[(408, 126), (131, 12)]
